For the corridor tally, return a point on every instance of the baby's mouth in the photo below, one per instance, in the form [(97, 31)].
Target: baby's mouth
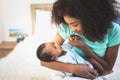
[(63, 52)]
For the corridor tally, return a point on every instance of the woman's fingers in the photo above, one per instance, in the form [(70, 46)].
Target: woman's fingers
[(94, 72), (85, 71), (90, 76), (74, 37)]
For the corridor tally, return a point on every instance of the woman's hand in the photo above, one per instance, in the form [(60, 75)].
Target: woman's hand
[(76, 41), (85, 71), (80, 70)]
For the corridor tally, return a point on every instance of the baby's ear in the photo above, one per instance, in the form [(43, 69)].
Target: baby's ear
[(54, 57)]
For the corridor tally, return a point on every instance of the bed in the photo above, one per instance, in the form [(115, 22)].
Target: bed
[(22, 63)]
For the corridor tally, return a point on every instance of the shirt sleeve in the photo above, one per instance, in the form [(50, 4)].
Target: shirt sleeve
[(114, 35), (64, 31)]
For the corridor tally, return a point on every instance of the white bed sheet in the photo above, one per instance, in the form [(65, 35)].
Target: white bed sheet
[(22, 63)]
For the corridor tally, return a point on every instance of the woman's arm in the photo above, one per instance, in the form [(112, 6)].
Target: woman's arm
[(58, 39), (99, 67), (109, 59), (60, 66), (96, 65), (78, 69)]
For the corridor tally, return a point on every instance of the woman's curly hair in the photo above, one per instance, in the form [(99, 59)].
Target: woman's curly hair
[(96, 16)]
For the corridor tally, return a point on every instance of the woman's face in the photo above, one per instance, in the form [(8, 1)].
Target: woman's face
[(74, 24)]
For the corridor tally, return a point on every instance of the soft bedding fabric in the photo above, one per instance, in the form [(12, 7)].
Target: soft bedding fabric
[(22, 63)]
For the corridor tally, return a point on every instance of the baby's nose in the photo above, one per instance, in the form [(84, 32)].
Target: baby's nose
[(56, 45)]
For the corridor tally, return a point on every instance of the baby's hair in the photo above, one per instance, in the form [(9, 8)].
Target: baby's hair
[(42, 54)]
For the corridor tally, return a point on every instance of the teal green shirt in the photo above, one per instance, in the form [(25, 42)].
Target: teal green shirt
[(112, 38)]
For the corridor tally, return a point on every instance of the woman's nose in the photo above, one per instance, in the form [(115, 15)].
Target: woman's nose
[(75, 30)]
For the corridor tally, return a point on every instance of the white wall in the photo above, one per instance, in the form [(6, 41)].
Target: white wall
[(17, 14), (1, 27), (1, 32)]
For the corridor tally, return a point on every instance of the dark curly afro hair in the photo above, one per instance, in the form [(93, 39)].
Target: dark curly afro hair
[(96, 16)]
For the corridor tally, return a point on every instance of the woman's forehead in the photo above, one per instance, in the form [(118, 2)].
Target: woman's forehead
[(48, 47), (70, 20)]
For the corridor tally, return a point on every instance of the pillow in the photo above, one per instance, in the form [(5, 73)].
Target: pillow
[(44, 30)]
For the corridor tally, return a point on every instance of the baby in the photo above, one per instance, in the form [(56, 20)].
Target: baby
[(51, 51)]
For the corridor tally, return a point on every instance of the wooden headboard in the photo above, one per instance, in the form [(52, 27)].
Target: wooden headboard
[(34, 7)]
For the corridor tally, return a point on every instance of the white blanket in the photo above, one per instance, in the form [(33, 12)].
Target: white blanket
[(22, 63)]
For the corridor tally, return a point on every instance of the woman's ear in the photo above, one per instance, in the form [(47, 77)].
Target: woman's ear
[(54, 57)]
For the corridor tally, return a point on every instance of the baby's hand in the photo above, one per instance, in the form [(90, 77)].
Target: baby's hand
[(73, 37), (76, 41)]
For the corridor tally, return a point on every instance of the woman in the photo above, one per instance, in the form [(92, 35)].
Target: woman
[(98, 40)]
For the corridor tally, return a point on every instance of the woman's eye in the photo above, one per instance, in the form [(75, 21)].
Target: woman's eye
[(75, 25)]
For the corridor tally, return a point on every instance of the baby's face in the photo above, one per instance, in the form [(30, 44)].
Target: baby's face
[(54, 49)]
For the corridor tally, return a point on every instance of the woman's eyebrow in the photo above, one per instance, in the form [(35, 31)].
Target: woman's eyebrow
[(71, 23)]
